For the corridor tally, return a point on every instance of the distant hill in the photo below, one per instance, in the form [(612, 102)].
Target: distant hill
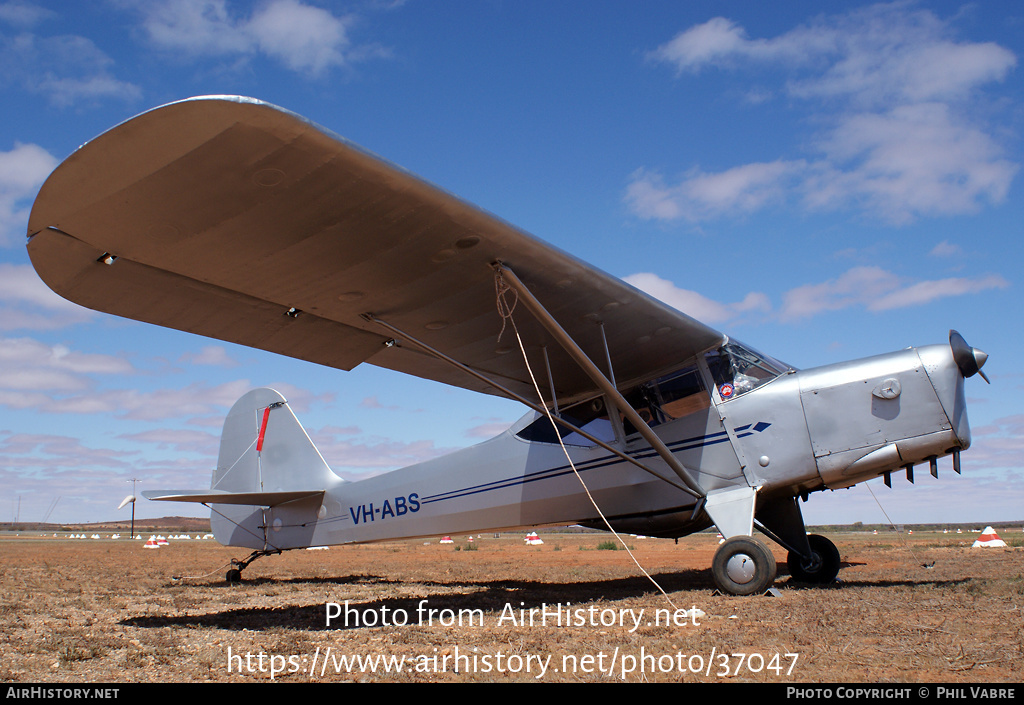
[(162, 524)]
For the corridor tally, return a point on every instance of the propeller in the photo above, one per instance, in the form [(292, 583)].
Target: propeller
[(968, 359)]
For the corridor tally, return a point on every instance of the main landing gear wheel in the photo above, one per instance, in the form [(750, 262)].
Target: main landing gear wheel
[(743, 566), (823, 565), (234, 576)]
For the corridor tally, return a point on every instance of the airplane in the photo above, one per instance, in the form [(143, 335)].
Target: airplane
[(228, 217)]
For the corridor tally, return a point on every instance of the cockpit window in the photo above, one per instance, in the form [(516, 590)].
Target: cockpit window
[(738, 369)]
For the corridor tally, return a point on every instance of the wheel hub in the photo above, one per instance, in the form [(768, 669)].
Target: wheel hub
[(812, 564), (741, 568)]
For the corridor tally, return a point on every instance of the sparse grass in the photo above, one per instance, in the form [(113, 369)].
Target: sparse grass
[(69, 650)]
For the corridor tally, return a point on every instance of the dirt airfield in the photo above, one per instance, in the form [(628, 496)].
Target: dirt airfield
[(110, 611)]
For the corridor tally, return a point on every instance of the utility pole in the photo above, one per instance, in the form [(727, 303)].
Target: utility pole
[(131, 498)]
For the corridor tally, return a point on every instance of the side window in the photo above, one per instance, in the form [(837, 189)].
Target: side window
[(672, 397), (590, 415), (681, 394)]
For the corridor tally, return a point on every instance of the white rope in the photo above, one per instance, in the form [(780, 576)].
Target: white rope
[(197, 577), (506, 314), (231, 562), (898, 533), (501, 289)]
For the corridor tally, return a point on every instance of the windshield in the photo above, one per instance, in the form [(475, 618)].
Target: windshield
[(738, 369)]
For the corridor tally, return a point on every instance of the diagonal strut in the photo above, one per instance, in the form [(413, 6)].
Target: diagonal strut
[(595, 374)]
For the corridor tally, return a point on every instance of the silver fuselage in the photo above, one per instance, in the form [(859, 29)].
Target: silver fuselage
[(823, 428)]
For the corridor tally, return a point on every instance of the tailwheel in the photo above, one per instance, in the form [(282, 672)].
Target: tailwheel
[(743, 566), (821, 567), (234, 574)]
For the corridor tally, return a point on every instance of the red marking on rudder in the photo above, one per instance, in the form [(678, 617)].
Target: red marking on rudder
[(263, 429)]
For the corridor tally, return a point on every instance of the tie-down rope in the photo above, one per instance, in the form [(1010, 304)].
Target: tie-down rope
[(505, 310)]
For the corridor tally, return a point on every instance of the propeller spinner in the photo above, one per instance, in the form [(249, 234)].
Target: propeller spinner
[(968, 359)]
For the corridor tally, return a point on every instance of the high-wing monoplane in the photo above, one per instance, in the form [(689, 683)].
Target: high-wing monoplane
[(231, 218)]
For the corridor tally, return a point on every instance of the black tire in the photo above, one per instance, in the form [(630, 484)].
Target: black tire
[(234, 576), (823, 565), (743, 566)]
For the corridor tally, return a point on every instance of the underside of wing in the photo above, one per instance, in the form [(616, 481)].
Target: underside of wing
[(234, 219)]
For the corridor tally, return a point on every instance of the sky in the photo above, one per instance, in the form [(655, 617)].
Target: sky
[(820, 185)]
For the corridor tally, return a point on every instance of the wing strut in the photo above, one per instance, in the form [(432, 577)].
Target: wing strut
[(522, 400), (595, 374)]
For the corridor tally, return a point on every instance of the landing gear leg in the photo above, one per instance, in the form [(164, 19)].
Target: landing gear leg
[(821, 567), (234, 575), (743, 566)]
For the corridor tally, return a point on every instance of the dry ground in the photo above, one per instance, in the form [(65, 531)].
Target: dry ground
[(110, 611)]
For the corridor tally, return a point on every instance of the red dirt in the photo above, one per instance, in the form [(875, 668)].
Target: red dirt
[(111, 611)]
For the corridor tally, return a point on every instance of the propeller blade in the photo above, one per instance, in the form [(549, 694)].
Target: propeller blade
[(969, 360)]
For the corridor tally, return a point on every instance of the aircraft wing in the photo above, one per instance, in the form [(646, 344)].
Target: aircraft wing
[(219, 215)]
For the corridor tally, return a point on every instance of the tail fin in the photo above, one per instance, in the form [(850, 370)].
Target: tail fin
[(270, 480), (264, 448)]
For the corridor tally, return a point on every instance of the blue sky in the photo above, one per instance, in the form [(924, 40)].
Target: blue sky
[(821, 186)]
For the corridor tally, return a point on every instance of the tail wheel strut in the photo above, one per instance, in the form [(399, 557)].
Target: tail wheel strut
[(234, 574)]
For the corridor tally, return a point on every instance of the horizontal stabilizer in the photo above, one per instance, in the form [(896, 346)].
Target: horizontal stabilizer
[(264, 499)]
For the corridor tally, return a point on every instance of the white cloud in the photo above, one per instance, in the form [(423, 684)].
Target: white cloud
[(194, 26), (303, 37), (487, 430), (946, 249), (161, 404), (871, 288), (23, 14), (58, 451), (371, 454), (22, 172), (872, 55), (67, 69), (856, 286), (911, 161), (720, 42), (375, 403), (29, 367), (928, 291), (703, 44), (26, 303), (214, 355), (876, 289), (700, 195), (181, 441), (896, 98), (696, 305), (999, 444), (56, 379), (64, 91)]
